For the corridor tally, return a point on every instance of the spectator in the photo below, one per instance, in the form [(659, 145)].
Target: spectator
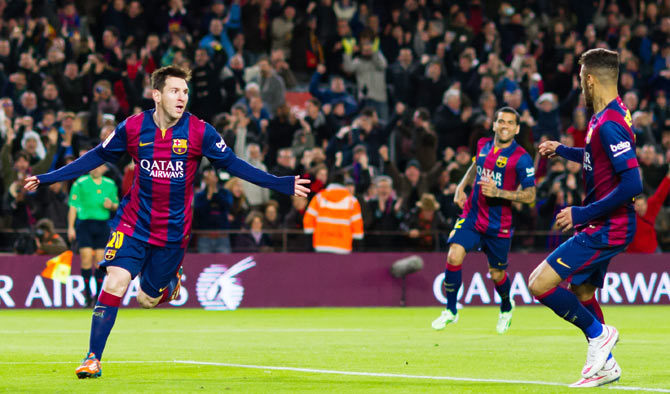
[(211, 207), (413, 183), (282, 30), (273, 89), (254, 240), (271, 222), (18, 168), (217, 41), (384, 214), (47, 240), (646, 211), (240, 208), (294, 221), (53, 204), (423, 222), (256, 196), (334, 219), (335, 94), (369, 68)]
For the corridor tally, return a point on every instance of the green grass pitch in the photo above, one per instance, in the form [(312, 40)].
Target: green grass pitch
[(39, 351)]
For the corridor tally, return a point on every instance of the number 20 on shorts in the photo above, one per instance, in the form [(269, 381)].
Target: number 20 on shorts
[(116, 240)]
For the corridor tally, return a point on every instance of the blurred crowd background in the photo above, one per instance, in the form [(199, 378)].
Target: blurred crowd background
[(389, 97)]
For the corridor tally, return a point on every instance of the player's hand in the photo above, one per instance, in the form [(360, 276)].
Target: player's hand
[(548, 148), (460, 198), (488, 187), (107, 204), (31, 183), (564, 219), (71, 234), (300, 190)]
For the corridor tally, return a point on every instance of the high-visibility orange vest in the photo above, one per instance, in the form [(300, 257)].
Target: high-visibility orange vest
[(334, 217)]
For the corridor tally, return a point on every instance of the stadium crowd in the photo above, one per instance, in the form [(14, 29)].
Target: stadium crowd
[(399, 94)]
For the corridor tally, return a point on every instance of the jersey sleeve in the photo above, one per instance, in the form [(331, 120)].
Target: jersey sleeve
[(525, 171), (619, 145), (116, 143), (109, 150), (221, 156)]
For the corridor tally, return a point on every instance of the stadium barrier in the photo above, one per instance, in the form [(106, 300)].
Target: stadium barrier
[(229, 281)]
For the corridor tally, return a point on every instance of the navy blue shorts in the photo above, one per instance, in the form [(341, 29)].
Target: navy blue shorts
[(495, 248), (582, 259), (156, 265), (92, 233)]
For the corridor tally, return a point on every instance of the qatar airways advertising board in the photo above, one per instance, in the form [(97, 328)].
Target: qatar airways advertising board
[(231, 281)]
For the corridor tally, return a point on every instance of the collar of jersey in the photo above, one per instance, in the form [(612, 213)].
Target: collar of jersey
[(154, 126)]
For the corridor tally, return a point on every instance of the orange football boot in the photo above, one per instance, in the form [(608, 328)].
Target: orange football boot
[(89, 368)]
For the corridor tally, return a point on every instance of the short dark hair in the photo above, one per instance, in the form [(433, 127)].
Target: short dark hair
[(508, 110), (159, 76), (602, 62)]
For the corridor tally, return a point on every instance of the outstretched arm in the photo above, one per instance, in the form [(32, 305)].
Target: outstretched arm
[(92, 159), (551, 148), (221, 156)]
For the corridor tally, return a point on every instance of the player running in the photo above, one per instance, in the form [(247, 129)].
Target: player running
[(604, 225), (152, 225), (504, 173)]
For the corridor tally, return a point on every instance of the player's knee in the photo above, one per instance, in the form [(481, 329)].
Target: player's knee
[(536, 287), (496, 274), (583, 293), (454, 257), (146, 302)]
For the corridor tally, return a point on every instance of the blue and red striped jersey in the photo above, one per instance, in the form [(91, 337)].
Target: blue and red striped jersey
[(157, 208), (508, 168), (609, 150)]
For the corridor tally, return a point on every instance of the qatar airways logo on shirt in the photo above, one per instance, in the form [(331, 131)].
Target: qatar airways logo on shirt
[(490, 174), (165, 169)]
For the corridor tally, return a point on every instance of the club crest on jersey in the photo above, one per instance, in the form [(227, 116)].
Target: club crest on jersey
[(110, 254), (179, 146), (588, 136), (501, 162)]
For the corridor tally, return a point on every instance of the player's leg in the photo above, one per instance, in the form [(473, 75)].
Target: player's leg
[(462, 239), (574, 258), (99, 273), (86, 255), (123, 260), (497, 250), (100, 235), (104, 317), (611, 372), (160, 279)]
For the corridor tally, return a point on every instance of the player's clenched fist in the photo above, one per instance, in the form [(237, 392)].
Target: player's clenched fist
[(488, 187), (548, 148)]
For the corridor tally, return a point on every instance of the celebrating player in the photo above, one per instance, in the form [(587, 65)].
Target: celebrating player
[(504, 173), (605, 224), (153, 222)]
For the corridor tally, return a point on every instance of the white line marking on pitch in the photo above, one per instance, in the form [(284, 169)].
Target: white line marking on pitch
[(392, 375), (349, 373)]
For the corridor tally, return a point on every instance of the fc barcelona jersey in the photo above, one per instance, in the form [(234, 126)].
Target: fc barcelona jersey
[(507, 168), (157, 208), (609, 150)]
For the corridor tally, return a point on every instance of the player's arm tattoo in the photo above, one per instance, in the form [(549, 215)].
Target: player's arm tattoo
[(526, 196)]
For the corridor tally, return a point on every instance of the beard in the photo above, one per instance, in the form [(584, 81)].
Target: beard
[(588, 98)]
